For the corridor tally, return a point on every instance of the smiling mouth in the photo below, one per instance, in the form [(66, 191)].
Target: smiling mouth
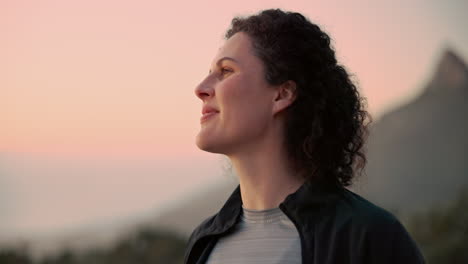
[(207, 116)]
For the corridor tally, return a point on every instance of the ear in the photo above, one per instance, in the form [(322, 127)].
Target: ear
[(284, 96)]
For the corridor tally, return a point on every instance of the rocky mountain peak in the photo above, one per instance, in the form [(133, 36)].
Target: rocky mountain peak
[(451, 72)]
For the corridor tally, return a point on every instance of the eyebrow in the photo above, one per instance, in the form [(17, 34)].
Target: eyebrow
[(225, 58)]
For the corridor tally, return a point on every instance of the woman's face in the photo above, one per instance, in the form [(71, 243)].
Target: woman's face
[(237, 98)]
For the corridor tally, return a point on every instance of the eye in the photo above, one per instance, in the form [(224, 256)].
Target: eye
[(225, 70)]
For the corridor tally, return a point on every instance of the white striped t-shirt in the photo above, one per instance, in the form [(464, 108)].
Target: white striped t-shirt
[(261, 236)]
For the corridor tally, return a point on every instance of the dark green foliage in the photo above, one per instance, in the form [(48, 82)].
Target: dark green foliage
[(10, 256), (442, 233), (146, 246)]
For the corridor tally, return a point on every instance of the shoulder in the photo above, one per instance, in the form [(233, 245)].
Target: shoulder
[(363, 212), (376, 231), (354, 211)]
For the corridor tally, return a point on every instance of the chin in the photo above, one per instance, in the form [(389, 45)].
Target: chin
[(209, 144), (205, 144)]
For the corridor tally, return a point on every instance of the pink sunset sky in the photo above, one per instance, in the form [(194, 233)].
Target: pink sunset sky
[(98, 110)]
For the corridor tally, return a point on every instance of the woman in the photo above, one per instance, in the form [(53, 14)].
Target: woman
[(292, 123)]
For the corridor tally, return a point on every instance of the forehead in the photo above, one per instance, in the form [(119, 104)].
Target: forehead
[(238, 47)]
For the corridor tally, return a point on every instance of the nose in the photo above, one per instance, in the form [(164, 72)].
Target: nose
[(204, 90)]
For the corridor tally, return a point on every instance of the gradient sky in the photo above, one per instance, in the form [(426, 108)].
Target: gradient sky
[(98, 110)]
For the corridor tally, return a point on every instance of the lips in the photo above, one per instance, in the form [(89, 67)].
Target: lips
[(207, 112), (208, 109)]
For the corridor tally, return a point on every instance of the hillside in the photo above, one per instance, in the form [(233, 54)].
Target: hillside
[(418, 153)]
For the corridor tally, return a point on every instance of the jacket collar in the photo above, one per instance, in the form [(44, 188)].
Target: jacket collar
[(310, 197), (303, 207)]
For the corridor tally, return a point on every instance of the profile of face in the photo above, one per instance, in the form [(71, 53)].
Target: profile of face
[(239, 106)]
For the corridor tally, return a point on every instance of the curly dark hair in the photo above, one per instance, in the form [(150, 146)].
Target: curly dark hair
[(325, 126)]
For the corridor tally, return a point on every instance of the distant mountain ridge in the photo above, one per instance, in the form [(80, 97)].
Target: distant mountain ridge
[(417, 153), (451, 73)]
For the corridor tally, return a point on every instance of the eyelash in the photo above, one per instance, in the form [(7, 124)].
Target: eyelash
[(225, 70)]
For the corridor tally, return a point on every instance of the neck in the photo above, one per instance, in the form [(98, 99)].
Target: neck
[(265, 176)]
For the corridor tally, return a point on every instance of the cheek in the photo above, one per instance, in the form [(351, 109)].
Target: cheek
[(237, 98), (244, 90), (245, 107)]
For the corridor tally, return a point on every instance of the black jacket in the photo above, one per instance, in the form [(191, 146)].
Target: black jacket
[(335, 225)]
